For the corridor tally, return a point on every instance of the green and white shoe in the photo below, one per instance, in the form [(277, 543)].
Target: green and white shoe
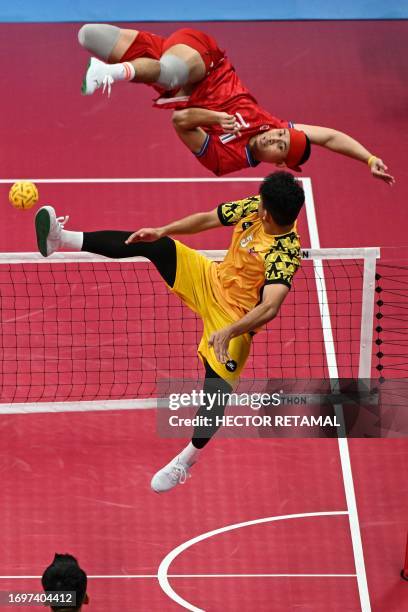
[(48, 229), (96, 76)]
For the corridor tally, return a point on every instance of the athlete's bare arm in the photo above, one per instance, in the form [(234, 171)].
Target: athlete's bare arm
[(272, 299), (342, 143), (189, 122), (193, 224)]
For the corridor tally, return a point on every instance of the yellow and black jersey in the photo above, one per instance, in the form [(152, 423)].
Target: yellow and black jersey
[(254, 257), (224, 292)]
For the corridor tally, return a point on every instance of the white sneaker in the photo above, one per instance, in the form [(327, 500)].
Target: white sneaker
[(174, 473), (48, 229), (96, 76)]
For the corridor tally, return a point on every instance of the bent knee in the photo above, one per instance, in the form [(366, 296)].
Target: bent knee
[(99, 38), (174, 72)]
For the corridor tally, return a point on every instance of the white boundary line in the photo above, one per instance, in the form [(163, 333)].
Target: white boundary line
[(333, 373), (76, 181), (162, 572), (146, 576)]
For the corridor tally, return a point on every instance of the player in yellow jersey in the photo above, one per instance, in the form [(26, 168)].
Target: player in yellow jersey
[(234, 298)]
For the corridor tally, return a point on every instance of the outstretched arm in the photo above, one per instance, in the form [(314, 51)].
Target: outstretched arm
[(189, 122), (272, 299), (344, 144), (193, 224)]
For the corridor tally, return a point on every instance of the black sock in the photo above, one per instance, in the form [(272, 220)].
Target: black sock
[(162, 253), (213, 385)]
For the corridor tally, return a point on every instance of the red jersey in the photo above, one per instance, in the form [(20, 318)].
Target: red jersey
[(223, 91)]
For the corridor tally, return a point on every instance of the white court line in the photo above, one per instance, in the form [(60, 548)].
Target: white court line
[(333, 373), (343, 445), (247, 179), (144, 576), (162, 572)]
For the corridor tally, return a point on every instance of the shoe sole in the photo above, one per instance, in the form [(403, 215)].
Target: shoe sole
[(83, 86), (42, 228)]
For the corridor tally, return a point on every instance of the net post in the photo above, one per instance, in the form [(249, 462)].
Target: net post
[(404, 571), (367, 312)]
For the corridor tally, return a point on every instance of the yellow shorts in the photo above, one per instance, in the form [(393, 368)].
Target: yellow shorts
[(193, 286)]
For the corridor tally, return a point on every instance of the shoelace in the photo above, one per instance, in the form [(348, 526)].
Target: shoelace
[(107, 83), (179, 474), (62, 221)]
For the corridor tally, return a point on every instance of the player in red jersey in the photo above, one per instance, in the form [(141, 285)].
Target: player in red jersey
[(215, 114)]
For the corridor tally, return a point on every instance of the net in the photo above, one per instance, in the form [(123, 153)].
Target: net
[(391, 339), (391, 320), (79, 327)]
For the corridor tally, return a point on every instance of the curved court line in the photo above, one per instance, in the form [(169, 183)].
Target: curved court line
[(162, 572)]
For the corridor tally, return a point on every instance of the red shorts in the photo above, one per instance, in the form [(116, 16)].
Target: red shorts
[(153, 46)]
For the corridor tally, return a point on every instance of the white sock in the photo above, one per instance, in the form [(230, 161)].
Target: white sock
[(121, 72), (190, 454), (72, 240)]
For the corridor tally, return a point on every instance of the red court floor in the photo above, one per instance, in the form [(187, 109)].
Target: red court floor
[(79, 482)]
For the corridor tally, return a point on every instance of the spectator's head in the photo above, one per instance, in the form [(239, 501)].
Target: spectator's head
[(282, 197), (64, 574)]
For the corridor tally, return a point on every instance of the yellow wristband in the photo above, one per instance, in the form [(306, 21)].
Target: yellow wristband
[(371, 159)]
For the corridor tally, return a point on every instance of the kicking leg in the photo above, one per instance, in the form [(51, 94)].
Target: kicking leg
[(162, 253), (177, 471), (52, 236), (178, 66)]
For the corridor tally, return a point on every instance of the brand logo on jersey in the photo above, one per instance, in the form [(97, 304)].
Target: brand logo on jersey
[(245, 241), (264, 127), (246, 225), (231, 365)]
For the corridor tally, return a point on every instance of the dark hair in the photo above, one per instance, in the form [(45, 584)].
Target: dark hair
[(64, 574), (306, 152), (282, 196)]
